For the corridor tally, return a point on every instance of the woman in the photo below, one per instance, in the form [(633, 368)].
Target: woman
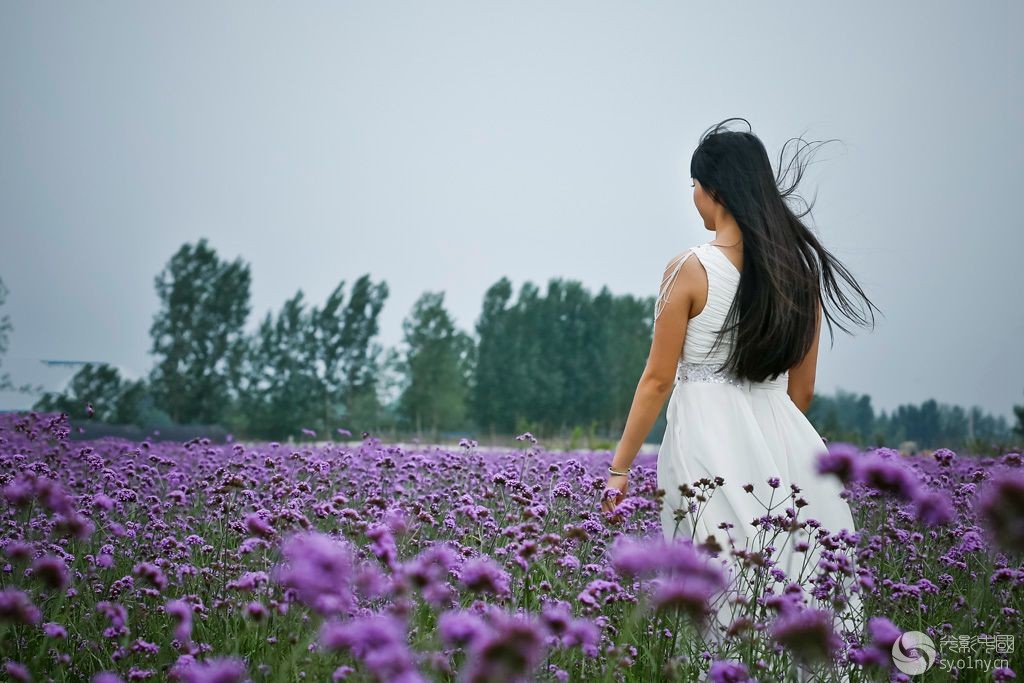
[(735, 343)]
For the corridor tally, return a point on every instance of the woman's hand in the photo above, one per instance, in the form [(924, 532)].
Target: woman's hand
[(620, 483)]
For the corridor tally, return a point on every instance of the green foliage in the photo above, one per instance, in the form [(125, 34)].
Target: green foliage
[(114, 400), (850, 417), (558, 360), (314, 368), (197, 333), (347, 357), (279, 393), (5, 329), (491, 391), (576, 438), (438, 363)]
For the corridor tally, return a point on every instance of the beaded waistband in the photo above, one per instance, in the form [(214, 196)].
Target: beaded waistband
[(709, 373)]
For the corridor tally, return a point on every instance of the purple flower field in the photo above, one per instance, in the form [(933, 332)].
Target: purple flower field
[(124, 561)]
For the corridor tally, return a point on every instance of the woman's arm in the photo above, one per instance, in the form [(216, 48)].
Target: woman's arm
[(655, 385), (801, 375)]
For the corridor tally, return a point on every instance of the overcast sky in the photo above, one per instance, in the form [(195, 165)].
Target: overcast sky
[(440, 146)]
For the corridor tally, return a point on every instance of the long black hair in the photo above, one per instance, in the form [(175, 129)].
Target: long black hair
[(787, 272)]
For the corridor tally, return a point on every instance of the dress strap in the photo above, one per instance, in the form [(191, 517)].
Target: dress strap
[(669, 281)]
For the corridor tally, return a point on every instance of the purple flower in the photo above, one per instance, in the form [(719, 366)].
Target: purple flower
[(107, 677), (103, 501), (370, 582), (53, 497), (258, 526), (889, 477), (630, 557), (459, 627), (19, 492), (181, 612), (689, 593), (51, 570), (570, 631), (728, 672), (591, 596), (18, 550), (16, 607), (17, 671), (510, 651), (688, 578), (644, 557), (216, 670), (151, 573), (429, 572), (118, 616), (840, 459), (52, 629), (1001, 510), (74, 525), (483, 575), (379, 640), (256, 610), (877, 652), (320, 570), (249, 581), (807, 633), (432, 564), (883, 632), (934, 508), (342, 672), (683, 557), (383, 545), (396, 520)]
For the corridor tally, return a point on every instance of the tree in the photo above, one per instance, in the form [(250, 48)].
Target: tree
[(490, 406), (310, 368), (280, 392), (530, 381), (346, 360), (197, 333), (631, 327), (113, 399), (6, 327), (558, 360), (438, 362)]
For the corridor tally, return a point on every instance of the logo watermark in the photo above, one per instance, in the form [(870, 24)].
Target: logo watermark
[(914, 652), (968, 652)]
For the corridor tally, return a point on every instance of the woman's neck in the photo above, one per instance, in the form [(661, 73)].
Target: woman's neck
[(728, 235)]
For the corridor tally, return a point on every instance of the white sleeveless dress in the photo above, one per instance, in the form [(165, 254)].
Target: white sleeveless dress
[(744, 432)]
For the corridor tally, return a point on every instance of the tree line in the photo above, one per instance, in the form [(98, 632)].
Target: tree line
[(559, 362)]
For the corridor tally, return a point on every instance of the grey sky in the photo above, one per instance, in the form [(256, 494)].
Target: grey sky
[(441, 146)]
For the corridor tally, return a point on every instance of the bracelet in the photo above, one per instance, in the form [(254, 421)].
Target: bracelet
[(616, 472)]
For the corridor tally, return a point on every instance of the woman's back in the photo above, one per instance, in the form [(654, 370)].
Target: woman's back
[(700, 357), (737, 464), (749, 434)]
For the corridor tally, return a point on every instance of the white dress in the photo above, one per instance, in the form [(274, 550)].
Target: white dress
[(743, 432)]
